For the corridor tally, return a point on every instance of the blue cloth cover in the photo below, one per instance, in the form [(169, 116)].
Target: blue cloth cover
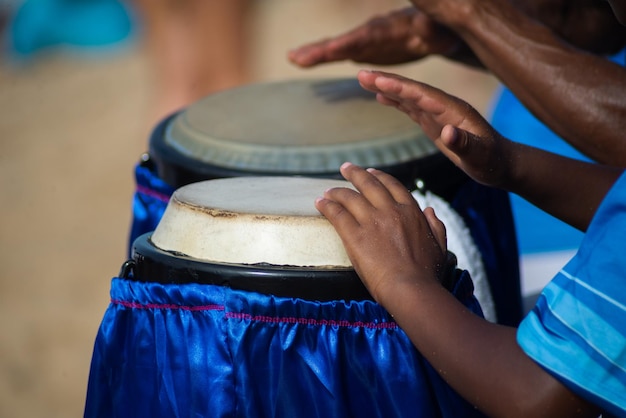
[(149, 202), (209, 351), (577, 329)]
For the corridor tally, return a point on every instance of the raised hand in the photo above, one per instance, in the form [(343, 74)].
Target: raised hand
[(386, 235), (457, 129), (399, 37), (570, 190)]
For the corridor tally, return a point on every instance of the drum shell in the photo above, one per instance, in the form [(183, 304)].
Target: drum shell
[(151, 264)]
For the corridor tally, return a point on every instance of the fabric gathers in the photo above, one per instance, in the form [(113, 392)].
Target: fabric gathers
[(204, 350)]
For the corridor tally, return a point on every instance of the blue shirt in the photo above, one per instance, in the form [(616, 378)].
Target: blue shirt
[(577, 329)]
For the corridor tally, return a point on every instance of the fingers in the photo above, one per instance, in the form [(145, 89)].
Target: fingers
[(437, 227), (396, 189), (458, 144), (347, 208), (334, 49), (308, 55), (343, 220), (427, 106), (387, 84), (379, 188), (413, 95), (455, 143)]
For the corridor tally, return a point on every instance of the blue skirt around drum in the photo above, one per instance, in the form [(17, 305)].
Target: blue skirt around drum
[(198, 350)]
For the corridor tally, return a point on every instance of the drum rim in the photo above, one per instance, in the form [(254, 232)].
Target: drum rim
[(151, 264), (178, 170)]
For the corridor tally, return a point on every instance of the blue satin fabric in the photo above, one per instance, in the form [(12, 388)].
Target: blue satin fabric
[(486, 212), (198, 350), (149, 201)]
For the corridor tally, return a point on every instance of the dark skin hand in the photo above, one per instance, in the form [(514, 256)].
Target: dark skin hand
[(408, 35), (575, 188), (402, 36), (578, 94), (398, 251)]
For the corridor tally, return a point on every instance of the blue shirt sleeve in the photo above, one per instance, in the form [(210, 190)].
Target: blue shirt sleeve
[(577, 329)]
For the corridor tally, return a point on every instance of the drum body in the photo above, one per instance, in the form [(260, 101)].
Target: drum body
[(197, 336), (308, 128)]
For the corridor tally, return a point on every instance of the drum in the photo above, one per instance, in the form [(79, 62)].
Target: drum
[(243, 303), (309, 128)]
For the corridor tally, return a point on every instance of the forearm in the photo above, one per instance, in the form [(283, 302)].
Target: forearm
[(481, 360), (568, 189), (587, 24), (577, 94)]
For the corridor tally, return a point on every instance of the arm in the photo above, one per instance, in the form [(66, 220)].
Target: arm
[(408, 35), (579, 95), (397, 251), (574, 190), (532, 60), (587, 24)]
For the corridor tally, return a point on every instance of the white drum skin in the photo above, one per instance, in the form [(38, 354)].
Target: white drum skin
[(252, 220)]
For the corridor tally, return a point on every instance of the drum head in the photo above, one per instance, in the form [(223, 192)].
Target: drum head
[(301, 127), (252, 220), (260, 234)]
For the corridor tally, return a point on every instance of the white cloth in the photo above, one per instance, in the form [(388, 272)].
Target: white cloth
[(461, 243)]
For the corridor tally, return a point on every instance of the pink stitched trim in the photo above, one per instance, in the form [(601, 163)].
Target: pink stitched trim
[(136, 305), (149, 192), (259, 318), (310, 321)]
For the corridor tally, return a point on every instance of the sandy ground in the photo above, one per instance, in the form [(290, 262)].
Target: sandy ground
[(71, 130)]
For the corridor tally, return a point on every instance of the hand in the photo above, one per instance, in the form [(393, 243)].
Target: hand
[(400, 37), (457, 129), (386, 235)]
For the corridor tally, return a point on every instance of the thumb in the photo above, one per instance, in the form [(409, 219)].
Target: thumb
[(466, 151), (456, 142)]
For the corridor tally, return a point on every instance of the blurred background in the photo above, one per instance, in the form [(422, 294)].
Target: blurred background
[(80, 91)]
